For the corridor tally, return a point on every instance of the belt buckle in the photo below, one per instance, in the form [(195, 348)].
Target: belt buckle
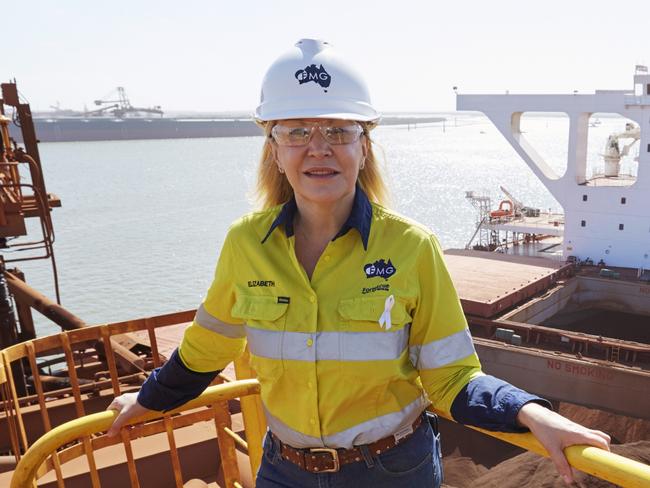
[(335, 457)]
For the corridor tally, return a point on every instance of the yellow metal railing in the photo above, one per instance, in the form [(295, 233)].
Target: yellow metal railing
[(24, 419), (34, 465), (79, 437), (608, 466), (605, 465)]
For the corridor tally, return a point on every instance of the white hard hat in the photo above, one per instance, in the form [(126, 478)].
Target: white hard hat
[(311, 81)]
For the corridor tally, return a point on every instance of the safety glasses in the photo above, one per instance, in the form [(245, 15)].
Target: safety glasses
[(301, 134)]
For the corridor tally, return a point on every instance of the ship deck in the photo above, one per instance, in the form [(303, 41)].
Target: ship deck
[(546, 224), (489, 283), (169, 338), (602, 180)]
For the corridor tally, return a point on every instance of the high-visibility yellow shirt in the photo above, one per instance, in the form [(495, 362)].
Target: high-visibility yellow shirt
[(350, 355)]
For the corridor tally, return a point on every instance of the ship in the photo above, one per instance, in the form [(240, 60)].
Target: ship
[(572, 286), (55, 389)]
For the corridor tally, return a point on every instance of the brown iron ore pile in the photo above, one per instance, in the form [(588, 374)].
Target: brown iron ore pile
[(473, 460)]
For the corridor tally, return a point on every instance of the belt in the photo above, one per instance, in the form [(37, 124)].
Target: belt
[(329, 460)]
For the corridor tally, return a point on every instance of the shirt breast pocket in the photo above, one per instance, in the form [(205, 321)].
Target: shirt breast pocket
[(367, 348), (265, 321)]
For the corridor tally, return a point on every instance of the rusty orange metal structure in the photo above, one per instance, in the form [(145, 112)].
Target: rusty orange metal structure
[(84, 437), (22, 416), (54, 459), (20, 200), (21, 197)]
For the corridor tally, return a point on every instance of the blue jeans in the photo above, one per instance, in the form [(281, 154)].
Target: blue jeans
[(414, 463)]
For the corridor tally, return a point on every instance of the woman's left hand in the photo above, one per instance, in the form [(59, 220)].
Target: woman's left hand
[(556, 432)]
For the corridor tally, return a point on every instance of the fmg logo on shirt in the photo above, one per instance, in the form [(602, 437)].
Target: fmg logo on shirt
[(312, 73), (380, 269)]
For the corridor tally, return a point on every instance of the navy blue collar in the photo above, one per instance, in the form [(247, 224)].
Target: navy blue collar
[(360, 218)]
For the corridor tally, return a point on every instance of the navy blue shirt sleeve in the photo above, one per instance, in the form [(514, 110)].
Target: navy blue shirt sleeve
[(493, 404), (172, 385)]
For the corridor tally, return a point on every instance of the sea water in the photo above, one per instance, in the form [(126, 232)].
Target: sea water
[(142, 222)]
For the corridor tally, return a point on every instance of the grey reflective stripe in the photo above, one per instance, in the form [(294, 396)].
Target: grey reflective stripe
[(339, 346), (362, 346), (266, 343), (208, 321), (364, 433), (443, 351), (377, 428), (290, 436)]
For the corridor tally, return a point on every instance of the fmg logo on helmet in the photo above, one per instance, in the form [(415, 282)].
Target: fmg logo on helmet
[(312, 73), (380, 269)]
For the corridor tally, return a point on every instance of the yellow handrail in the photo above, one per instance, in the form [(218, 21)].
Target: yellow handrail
[(603, 464), (606, 465), (26, 470), (252, 411), (597, 462)]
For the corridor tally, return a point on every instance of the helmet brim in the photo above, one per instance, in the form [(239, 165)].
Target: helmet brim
[(348, 111)]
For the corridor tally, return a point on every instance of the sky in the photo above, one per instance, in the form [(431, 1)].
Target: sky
[(200, 55)]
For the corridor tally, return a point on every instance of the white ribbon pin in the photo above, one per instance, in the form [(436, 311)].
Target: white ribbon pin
[(385, 317)]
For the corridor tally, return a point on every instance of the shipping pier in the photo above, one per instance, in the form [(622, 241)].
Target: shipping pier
[(514, 224)]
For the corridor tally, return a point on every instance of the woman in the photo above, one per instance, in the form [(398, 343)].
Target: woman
[(351, 318)]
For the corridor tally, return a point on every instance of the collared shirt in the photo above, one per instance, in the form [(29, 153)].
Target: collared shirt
[(360, 218), (353, 354)]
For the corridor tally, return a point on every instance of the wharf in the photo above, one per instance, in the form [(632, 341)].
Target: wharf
[(69, 129)]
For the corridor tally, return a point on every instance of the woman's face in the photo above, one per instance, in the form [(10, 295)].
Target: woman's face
[(320, 171)]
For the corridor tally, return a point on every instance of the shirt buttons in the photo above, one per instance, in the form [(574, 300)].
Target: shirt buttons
[(310, 384), (310, 342), (312, 299), (327, 259), (312, 421)]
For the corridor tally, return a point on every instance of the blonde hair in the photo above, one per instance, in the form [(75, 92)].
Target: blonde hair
[(273, 187)]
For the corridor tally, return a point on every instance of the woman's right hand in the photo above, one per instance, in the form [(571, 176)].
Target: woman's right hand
[(127, 407)]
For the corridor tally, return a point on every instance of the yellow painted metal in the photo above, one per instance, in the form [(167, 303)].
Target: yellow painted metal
[(79, 406), (238, 440), (14, 399), (252, 412), (10, 415), (227, 449), (45, 416), (173, 451), (606, 465), (26, 470)]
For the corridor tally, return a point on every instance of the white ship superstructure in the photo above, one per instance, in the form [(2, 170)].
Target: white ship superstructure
[(607, 216)]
